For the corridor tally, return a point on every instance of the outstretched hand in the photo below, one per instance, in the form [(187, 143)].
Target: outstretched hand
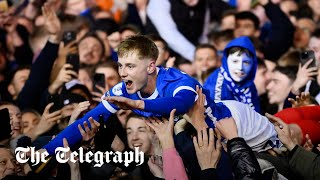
[(197, 113), (300, 101), (48, 120), (283, 131), (304, 74), (88, 133), (125, 103), (163, 129), (82, 106), (51, 21), (208, 151)]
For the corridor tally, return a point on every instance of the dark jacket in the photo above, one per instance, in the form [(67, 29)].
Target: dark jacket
[(304, 163), (244, 163), (282, 30)]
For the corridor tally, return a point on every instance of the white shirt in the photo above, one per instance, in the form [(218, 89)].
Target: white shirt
[(254, 128), (158, 12)]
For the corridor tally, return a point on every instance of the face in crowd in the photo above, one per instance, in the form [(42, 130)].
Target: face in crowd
[(163, 53), (90, 50), (314, 45), (278, 88), (30, 120), (302, 34), (15, 119), (139, 134), (205, 59), (262, 79), (7, 163), (239, 65), (245, 27), (84, 78), (18, 81)]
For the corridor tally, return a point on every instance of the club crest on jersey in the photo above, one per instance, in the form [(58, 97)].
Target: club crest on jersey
[(117, 89)]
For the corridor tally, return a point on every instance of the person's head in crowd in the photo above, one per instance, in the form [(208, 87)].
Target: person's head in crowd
[(7, 162), (314, 45), (291, 58), (290, 8), (247, 24), (228, 20), (239, 60), (185, 66), (220, 39), (280, 84), (15, 118), (84, 77), (30, 119), (17, 79), (137, 63), (205, 58), (111, 28), (139, 134), (128, 30), (162, 48), (110, 71), (304, 29), (262, 77), (91, 49)]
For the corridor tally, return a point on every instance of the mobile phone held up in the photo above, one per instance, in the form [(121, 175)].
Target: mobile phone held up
[(5, 128), (73, 59), (98, 79), (68, 37), (305, 56), (57, 103)]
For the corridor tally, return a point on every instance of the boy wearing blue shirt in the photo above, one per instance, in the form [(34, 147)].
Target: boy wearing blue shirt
[(234, 80)]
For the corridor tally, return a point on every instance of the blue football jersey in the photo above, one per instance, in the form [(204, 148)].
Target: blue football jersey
[(174, 90)]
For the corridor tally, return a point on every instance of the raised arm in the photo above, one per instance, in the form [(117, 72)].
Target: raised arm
[(159, 13)]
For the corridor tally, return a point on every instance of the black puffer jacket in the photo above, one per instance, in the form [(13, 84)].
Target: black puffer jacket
[(244, 163)]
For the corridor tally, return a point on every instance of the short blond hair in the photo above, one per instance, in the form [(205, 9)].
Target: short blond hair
[(144, 47)]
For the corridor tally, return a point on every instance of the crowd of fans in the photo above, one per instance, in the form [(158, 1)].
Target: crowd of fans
[(260, 59)]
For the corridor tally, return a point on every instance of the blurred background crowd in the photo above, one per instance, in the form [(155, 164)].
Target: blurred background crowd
[(58, 58)]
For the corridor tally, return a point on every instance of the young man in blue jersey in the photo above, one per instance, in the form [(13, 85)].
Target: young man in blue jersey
[(151, 91), (146, 89)]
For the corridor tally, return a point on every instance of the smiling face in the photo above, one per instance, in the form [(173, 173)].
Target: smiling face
[(90, 51), (278, 88), (15, 119), (139, 134), (205, 58), (239, 66), (134, 72)]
